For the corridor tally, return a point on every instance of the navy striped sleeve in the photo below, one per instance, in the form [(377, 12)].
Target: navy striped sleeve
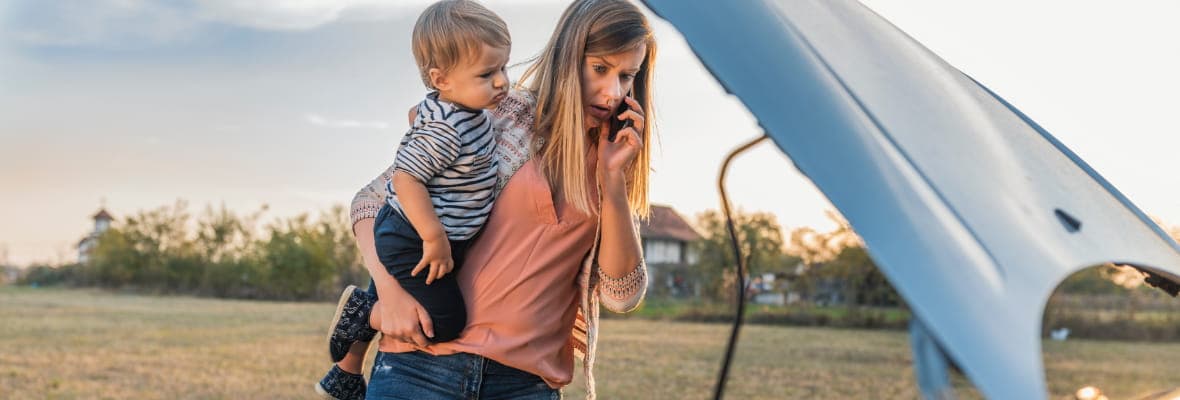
[(427, 151)]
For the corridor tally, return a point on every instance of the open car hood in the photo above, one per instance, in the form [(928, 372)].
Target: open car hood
[(972, 211)]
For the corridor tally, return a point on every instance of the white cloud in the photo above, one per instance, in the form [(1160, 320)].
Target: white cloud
[(299, 14), (309, 14), (318, 120), (108, 23), (125, 24), (131, 24)]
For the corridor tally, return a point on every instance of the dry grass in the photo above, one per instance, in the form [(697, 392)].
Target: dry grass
[(84, 344)]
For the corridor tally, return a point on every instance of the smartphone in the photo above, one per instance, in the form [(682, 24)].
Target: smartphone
[(615, 124)]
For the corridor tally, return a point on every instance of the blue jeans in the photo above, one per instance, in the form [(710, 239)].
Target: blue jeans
[(421, 376)]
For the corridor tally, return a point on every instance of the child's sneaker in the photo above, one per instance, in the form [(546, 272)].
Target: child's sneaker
[(351, 322), (341, 385)]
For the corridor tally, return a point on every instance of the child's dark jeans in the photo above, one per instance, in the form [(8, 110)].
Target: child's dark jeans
[(400, 249)]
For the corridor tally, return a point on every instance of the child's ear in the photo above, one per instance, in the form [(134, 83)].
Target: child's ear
[(438, 79)]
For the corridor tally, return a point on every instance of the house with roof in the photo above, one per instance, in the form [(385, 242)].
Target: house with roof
[(102, 222), (667, 239)]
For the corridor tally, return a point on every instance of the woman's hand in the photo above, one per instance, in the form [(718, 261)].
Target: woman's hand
[(615, 157), (402, 317)]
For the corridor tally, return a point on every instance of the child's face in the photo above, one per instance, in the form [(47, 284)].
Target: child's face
[(477, 83)]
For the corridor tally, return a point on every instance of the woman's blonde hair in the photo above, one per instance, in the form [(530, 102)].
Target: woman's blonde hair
[(588, 28)]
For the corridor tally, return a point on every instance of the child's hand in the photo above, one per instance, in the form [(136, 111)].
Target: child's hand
[(436, 254)]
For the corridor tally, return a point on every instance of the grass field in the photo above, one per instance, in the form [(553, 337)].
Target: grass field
[(84, 344)]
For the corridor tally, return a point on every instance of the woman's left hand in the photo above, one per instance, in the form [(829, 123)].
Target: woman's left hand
[(615, 157)]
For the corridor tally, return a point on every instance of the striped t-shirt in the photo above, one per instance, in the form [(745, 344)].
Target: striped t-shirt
[(451, 150)]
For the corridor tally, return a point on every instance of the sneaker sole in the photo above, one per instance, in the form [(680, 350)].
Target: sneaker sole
[(319, 389), (336, 318)]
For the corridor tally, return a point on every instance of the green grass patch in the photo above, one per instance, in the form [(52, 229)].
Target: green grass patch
[(761, 314)]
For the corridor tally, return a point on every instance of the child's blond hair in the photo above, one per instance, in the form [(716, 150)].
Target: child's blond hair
[(450, 30)]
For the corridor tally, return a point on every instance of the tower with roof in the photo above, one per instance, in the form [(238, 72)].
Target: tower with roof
[(102, 222)]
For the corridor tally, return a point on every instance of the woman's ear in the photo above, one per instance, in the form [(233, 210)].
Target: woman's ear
[(438, 79)]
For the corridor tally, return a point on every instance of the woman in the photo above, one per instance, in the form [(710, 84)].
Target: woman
[(561, 236)]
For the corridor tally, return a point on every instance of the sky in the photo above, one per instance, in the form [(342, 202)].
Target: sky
[(295, 104)]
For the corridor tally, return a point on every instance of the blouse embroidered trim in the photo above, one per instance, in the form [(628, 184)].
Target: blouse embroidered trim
[(368, 201), (626, 286), (513, 122)]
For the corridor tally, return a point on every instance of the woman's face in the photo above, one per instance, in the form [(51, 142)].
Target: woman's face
[(605, 80)]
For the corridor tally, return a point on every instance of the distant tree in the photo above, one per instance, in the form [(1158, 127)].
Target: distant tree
[(813, 246), (303, 259), (1104, 279), (761, 240), (862, 282), (226, 242), (148, 249), (840, 256), (44, 274)]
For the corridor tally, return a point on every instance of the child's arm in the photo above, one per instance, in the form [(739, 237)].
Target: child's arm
[(432, 148), (415, 203), (401, 315)]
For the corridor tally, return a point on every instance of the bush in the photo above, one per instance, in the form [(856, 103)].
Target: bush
[(225, 255), (47, 275)]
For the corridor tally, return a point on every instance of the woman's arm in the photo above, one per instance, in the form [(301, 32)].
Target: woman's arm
[(622, 271), (369, 199), (620, 254)]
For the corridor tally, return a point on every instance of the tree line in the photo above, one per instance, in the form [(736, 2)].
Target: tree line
[(219, 253), (812, 261), (806, 262)]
